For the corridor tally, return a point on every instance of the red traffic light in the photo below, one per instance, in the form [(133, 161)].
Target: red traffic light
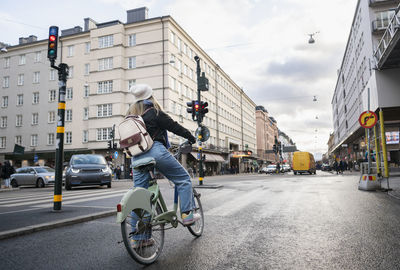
[(52, 38)]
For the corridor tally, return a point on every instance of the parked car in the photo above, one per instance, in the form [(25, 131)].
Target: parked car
[(85, 170), (39, 176), (286, 168), (271, 168), (262, 170), (326, 167)]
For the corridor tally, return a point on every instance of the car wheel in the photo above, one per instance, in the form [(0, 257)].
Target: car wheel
[(40, 183), (14, 183), (295, 173), (67, 185), (109, 185)]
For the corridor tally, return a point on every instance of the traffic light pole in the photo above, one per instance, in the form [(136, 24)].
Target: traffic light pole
[(62, 77), (201, 171)]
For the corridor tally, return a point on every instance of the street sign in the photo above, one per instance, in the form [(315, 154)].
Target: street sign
[(116, 154), (35, 158), (368, 119)]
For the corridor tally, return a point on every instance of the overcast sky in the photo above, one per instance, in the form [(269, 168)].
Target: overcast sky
[(261, 44)]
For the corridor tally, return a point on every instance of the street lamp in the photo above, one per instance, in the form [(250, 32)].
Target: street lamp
[(312, 40)]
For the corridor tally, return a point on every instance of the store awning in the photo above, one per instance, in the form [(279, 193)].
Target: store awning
[(210, 157)]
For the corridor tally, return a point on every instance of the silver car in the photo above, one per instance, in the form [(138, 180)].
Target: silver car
[(39, 176)]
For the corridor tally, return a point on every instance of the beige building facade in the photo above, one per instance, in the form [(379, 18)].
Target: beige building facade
[(267, 132), (105, 59)]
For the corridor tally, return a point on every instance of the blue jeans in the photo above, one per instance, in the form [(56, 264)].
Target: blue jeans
[(170, 168)]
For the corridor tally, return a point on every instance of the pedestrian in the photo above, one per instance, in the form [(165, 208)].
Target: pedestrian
[(118, 172), (336, 167), (341, 166), (248, 169), (278, 167), (251, 169), (1, 173), (8, 170)]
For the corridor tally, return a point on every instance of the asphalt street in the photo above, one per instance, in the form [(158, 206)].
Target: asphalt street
[(254, 222)]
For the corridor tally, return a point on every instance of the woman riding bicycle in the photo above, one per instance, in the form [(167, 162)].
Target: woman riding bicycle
[(157, 123)]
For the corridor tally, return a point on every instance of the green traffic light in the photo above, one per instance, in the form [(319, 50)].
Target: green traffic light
[(52, 52)]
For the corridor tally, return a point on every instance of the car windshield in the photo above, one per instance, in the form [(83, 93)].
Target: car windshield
[(44, 170), (88, 159), (271, 166)]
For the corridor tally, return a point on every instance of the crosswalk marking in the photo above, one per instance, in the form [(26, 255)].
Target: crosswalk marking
[(67, 197)]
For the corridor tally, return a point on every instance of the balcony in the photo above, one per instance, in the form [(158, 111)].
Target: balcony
[(387, 54), (376, 3), (379, 26)]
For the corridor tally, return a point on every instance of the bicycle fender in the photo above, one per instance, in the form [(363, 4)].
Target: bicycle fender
[(134, 198)]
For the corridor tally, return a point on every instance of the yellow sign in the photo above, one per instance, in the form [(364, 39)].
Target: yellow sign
[(368, 119)]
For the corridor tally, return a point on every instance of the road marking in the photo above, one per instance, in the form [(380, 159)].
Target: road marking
[(68, 202), (236, 204), (66, 198)]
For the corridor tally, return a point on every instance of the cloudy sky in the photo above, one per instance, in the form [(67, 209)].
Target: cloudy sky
[(261, 44)]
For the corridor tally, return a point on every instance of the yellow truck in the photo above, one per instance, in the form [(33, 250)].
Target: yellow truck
[(303, 162)]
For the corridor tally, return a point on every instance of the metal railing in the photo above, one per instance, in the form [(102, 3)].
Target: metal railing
[(377, 2), (384, 43)]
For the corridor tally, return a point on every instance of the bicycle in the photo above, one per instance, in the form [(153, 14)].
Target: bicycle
[(143, 215)]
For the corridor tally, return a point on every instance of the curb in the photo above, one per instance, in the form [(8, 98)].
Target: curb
[(55, 224)]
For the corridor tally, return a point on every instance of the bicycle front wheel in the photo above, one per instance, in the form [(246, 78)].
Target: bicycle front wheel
[(143, 241), (197, 227)]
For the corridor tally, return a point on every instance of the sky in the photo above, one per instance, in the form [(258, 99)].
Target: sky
[(261, 44)]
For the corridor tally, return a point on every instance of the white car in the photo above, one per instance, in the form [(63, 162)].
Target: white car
[(39, 176), (270, 168), (286, 168)]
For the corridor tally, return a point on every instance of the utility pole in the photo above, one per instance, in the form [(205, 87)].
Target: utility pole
[(62, 78)]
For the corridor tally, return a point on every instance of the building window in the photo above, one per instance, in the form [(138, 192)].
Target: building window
[(18, 120), (4, 101), (3, 122), (35, 98), (87, 69), (132, 62), (20, 100), (52, 95), (86, 90), (172, 37), (7, 62), (85, 136), (179, 44), (132, 40), (50, 139), (104, 110), (130, 84), (191, 74), (51, 117), (68, 137), (85, 113), (103, 134), (70, 49), (20, 79), (2, 142), (69, 93), (52, 76), (105, 63), (104, 87), (35, 118), (106, 41), (36, 77), (22, 59), (87, 47), (173, 83), (68, 115), (6, 81), (38, 56), (18, 140), (34, 140), (70, 72)]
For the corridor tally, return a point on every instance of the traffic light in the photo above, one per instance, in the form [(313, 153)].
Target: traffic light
[(112, 134), (109, 144), (115, 146), (203, 107), (52, 45), (197, 110), (203, 83), (274, 148), (190, 108)]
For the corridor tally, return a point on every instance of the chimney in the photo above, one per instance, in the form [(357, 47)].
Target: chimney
[(71, 31), (25, 40), (137, 15)]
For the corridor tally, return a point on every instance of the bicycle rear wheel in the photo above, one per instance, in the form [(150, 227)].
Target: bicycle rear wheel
[(197, 227), (143, 241)]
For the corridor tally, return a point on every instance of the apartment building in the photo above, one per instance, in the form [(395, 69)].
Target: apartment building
[(267, 132), (371, 63), (105, 60)]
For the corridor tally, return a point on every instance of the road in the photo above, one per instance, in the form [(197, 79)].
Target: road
[(254, 222)]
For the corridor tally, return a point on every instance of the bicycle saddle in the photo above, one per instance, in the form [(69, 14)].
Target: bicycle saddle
[(144, 164)]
